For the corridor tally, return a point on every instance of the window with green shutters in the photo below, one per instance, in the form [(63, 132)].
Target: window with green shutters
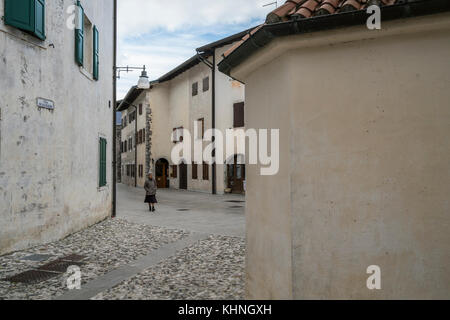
[(79, 35), (102, 165), (26, 15), (96, 54)]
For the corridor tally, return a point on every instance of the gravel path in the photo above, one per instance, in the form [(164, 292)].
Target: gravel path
[(211, 269), (107, 245)]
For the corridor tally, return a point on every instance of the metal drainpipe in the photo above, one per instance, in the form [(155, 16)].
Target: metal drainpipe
[(213, 115), (114, 160), (213, 112), (135, 145)]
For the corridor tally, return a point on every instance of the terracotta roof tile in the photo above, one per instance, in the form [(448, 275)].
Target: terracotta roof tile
[(304, 9)]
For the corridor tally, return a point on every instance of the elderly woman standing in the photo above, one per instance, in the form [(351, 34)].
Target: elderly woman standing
[(150, 188)]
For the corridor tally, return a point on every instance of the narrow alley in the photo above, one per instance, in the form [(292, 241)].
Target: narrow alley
[(192, 247)]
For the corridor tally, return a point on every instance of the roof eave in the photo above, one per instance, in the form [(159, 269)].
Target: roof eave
[(321, 23)]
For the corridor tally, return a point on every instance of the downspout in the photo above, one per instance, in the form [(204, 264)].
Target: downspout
[(135, 145), (213, 116), (213, 113), (114, 160)]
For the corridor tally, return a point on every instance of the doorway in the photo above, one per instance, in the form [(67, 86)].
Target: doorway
[(183, 176), (236, 175), (162, 173)]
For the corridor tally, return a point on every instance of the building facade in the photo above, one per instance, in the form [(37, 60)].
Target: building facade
[(134, 137), (186, 98), (56, 94), (364, 151)]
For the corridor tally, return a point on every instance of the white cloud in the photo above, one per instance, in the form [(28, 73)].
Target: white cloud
[(141, 16), (163, 33)]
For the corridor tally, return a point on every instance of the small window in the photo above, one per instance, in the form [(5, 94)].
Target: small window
[(205, 171), (194, 171), (238, 118), (26, 15), (195, 89), (143, 135), (102, 164), (174, 171), (201, 128), (205, 84), (140, 109)]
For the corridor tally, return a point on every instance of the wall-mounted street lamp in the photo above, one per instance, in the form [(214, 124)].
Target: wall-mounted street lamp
[(143, 82)]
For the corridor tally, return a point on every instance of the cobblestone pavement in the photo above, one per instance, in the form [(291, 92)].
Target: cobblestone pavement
[(211, 269), (107, 245)]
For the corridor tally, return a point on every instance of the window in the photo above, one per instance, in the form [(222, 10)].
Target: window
[(128, 170), (195, 89), (125, 146), (121, 147), (178, 134), (141, 171), (26, 15), (174, 171), (205, 84), (96, 61), (205, 171), (194, 171), (124, 121), (87, 44), (143, 135), (102, 164), (140, 109), (201, 128), (238, 121)]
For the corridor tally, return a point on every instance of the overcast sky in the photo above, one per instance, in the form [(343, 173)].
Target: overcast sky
[(163, 33)]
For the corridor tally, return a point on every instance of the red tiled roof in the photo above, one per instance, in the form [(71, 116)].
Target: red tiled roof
[(304, 9)]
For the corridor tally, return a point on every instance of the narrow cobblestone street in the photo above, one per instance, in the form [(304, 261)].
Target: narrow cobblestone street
[(191, 248)]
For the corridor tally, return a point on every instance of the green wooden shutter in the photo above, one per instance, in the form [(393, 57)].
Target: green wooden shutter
[(79, 36), (39, 26), (96, 54), (27, 15), (102, 165)]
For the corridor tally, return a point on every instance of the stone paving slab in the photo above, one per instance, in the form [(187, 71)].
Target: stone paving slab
[(107, 246), (212, 268), (120, 274)]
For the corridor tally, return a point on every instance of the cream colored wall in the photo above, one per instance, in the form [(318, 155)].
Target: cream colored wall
[(365, 157), (160, 129), (173, 106), (228, 92)]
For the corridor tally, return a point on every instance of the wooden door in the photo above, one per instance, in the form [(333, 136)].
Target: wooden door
[(236, 176), (183, 176), (162, 168)]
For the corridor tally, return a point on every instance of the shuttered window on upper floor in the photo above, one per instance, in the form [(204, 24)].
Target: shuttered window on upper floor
[(26, 15), (96, 62), (238, 118)]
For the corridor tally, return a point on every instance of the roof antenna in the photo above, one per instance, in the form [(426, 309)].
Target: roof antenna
[(272, 3)]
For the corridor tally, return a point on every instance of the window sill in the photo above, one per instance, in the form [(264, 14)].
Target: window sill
[(104, 188), (86, 73), (29, 39)]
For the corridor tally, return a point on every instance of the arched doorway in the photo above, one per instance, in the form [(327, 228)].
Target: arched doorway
[(162, 173), (236, 174), (183, 175)]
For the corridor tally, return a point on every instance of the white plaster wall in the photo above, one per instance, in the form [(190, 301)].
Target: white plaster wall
[(49, 162), (365, 157)]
